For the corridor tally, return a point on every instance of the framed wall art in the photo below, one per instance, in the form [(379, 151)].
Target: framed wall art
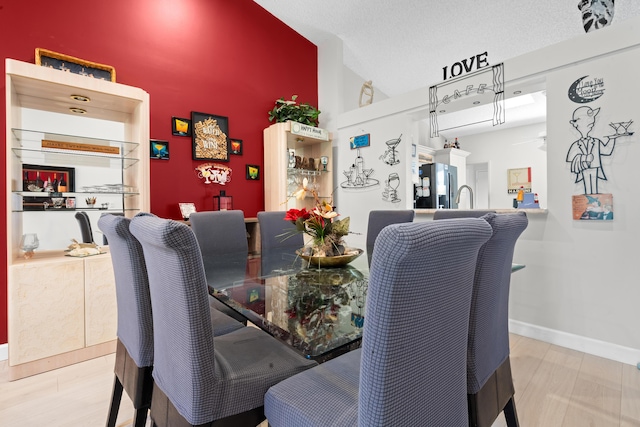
[(236, 146), (159, 149), (210, 137), (253, 172), (59, 61), (35, 178), (359, 141), (180, 126)]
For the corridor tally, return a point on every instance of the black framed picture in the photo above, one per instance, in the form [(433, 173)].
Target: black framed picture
[(180, 126), (36, 178), (253, 172), (210, 137), (236, 146), (159, 149)]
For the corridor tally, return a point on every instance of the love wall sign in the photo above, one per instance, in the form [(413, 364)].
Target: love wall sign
[(465, 66)]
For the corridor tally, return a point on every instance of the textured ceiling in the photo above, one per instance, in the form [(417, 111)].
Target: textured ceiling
[(402, 45)]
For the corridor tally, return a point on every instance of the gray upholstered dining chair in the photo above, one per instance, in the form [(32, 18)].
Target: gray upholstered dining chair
[(134, 348), (379, 219), (276, 233), (222, 237), (411, 369), (279, 240), (490, 386), (460, 213), (199, 379)]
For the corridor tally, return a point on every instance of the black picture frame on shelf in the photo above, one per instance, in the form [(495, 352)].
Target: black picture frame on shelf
[(210, 137), (30, 173), (41, 199)]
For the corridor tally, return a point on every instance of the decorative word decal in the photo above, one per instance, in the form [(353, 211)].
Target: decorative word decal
[(466, 65), (582, 91), (475, 84), (214, 173)]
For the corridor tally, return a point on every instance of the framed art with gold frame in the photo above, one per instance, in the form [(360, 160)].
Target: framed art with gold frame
[(71, 64)]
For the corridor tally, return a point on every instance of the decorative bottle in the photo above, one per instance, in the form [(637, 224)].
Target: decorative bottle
[(54, 183), (62, 185), (39, 181)]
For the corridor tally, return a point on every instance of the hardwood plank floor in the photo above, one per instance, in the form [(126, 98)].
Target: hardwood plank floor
[(555, 386)]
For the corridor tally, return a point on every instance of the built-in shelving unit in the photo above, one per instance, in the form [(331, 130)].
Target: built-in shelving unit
[(62, 309), (282, 181)]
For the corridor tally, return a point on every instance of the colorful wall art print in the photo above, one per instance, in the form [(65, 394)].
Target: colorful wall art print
[(516, 178), (253, 172), (180, 126), (236, 146), (359, 141), (592, 207), (159, 149), (214, 173)]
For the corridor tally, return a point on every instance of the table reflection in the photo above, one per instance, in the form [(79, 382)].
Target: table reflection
[(320, 312)]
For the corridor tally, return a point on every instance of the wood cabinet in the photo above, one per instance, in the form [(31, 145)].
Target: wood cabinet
[(282, 181), (61, 309)]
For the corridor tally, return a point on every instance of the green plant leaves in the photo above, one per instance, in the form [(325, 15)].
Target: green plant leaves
[(290, 110)]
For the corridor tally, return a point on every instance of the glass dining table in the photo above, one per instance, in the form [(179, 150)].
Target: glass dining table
[(317, 311)]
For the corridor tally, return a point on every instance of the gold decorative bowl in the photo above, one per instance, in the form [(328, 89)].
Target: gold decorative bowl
[(332, 261)]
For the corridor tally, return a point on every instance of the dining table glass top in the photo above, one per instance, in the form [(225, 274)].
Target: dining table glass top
[(318, 311)]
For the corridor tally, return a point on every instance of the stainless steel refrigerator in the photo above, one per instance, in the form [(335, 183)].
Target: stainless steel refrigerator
[(437, 186)]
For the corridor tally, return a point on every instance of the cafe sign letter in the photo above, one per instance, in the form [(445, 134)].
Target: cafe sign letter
[(465, 65)]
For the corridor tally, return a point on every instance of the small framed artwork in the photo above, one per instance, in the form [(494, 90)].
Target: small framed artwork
[(70, 202), (180, 126), (159, 149), (186, 209), (517, 178), (253, 172), (210, 137), (359, 141), (70, 64), (236, 146), (38, 178)]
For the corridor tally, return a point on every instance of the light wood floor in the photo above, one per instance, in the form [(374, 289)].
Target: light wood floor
[(554, 387)]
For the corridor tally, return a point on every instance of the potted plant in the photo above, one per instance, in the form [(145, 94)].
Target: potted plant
[(291, 110)]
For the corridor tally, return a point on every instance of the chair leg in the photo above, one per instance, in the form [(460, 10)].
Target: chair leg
[(510, 413), (141, 417), (116, 396)]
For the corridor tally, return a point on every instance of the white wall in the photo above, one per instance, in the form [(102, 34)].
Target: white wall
[(357, 202), (579, 287), (509, 149)]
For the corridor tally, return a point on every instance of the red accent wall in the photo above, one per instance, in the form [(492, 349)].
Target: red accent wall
[(228, 58)]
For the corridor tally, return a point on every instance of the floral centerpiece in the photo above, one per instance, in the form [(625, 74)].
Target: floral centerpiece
[(321, 224)]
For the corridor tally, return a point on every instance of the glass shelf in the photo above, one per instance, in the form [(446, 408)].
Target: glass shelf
[(72, 193), (296, 171), (86, 151), (63, 209)]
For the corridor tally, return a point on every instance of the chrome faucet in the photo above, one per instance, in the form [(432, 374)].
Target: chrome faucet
[(470, 195)]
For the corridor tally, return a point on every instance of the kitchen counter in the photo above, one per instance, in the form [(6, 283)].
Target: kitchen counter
[(528, 211)]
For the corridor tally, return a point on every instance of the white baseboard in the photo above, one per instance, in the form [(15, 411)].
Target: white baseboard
[(4, 351), (592, 346)]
